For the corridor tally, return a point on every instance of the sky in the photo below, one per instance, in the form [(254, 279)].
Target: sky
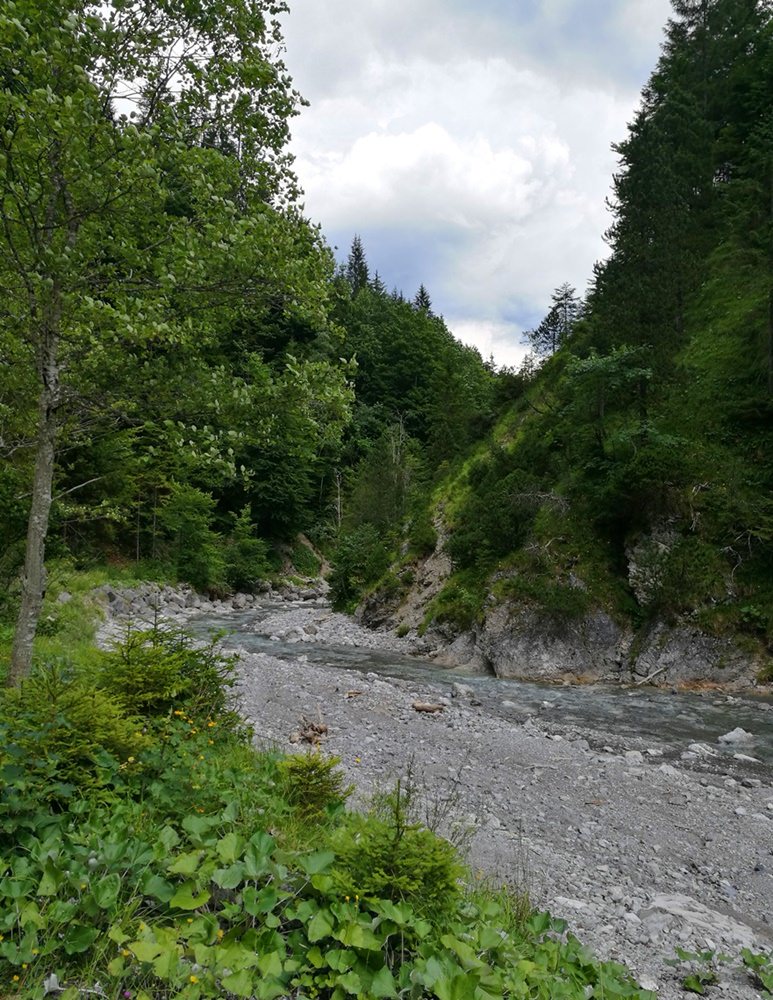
[(468, 143)]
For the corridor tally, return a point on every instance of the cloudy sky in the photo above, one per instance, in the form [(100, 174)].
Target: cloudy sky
[(468, 143)]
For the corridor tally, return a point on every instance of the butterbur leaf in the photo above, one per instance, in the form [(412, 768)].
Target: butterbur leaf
[(320, 926), (352, 983), (270, 989), (229, 878), (145, 951), (229, 848), (383, 984), (239, 983), (315, 863), (79, 938), (187, 899), (106, 891), (186, 864), (167, 963), (270, 964), (158, 888)]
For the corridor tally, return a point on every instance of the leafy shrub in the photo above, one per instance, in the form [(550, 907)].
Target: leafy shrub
[(459, 604), (422, 535), (359, 560), (246, 555), (58, 717), (312, 783), (151, 670), (387, 856), (304, 560), (187, 517)]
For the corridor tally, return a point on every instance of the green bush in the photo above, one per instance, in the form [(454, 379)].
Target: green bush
[(387, 856), (198, 550), (152, 670), (246, 555), (359, 560), (61, 718), (312, 783)]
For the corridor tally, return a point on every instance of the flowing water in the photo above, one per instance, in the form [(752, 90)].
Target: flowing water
[(669, 722)]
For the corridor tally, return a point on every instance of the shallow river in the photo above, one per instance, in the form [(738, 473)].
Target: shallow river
[(669, 722)]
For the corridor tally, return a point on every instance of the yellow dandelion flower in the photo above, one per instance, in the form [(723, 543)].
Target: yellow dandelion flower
[(125, 952), (211, 725), (24, 965), (15, 979), (130, 760), (193, 979), (211, 742), (346, 899), (34, 950)]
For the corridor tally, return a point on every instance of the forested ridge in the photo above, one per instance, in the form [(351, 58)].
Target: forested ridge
[(189, 380)]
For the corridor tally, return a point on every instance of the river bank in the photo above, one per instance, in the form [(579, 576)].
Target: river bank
[(641, 850)]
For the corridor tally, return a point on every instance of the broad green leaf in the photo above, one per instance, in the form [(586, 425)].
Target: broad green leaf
[(229, 878), (186, 897), (320, 925), (186, 864), (463, 952), (239, 983), (340, 960), (79, 938), (270, 989), (117, 934), (383, 984), (351, 982), (270, 964), (51, 880), (169, 838), (199, 826), (158, 888), (145, 951), (106, 891), (229, 848), (167, 963), (315, 863), (356, 936)]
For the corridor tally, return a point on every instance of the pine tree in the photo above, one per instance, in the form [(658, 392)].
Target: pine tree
[(422, 300), (357, 267)]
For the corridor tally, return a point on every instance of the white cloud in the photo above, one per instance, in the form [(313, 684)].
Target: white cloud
[(476, 139)]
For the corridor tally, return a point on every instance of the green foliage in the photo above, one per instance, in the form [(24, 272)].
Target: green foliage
[(187, 515), (459, 604), (153, 670), (246, 555), (189, 870), (313, 784), (387, 856), (760, 966), (59, 718), (361, 557), (304, 560)]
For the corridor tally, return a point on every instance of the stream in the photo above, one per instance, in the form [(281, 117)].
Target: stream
[(668, 722)]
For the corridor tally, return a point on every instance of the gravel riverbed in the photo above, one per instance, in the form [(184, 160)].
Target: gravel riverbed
[(640, 855)]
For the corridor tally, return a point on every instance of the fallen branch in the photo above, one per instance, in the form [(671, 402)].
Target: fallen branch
[(651, 677), (309, 732)]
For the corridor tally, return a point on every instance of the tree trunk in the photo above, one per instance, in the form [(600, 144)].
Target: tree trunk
[(33, 580)]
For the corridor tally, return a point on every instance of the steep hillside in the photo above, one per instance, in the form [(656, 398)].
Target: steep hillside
[(620, 515)]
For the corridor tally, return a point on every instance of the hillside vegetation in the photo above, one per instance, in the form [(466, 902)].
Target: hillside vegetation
[(632, 469)]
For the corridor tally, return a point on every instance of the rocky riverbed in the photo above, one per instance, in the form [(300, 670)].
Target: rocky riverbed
[(640, 850)]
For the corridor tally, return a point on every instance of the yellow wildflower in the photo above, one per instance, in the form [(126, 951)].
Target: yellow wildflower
[(194, 979)]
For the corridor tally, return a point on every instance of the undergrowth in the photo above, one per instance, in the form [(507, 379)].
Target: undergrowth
[(159, 855)]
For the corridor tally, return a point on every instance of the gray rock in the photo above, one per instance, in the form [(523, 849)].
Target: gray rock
[(737, 737)]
